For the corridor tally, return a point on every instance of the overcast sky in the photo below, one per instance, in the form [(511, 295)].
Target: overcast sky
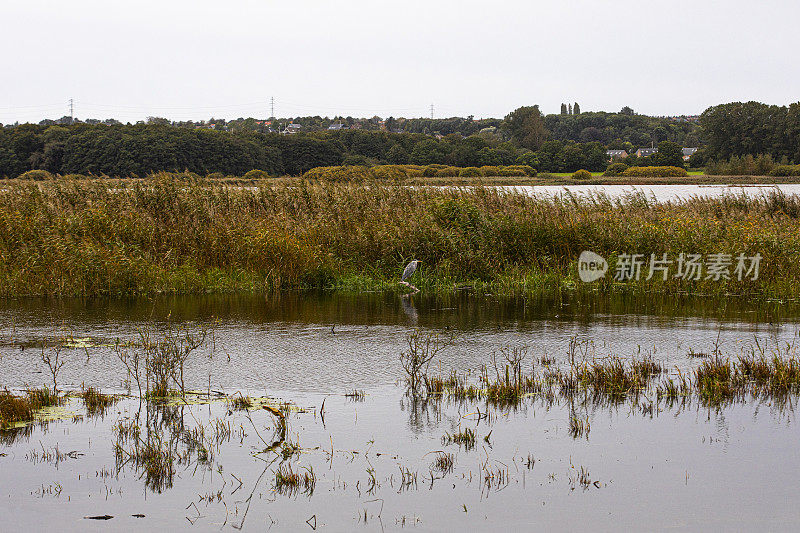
[(193, 59)]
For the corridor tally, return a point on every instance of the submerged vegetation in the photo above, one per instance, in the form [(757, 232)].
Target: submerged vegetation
[(184, 236)]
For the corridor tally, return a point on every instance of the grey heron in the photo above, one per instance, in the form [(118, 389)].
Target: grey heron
[(408, 272)]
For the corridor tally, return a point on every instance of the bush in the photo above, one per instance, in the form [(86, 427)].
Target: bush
[(338, 173), (256, 174), (470, 172), (520, 170), (761, 165), (581, 175), (216, 176), (430, 171), (786, 170), (447, 172), (655, 172), (490, 170), (615, 169), (36, 175), (395, 172)]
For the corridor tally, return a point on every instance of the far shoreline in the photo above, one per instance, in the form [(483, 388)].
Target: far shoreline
[(544, 179)]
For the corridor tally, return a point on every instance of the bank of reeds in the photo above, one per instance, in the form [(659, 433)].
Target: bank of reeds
[(162, 235)]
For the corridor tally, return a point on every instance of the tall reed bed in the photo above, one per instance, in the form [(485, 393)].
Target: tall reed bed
[(182, 236)]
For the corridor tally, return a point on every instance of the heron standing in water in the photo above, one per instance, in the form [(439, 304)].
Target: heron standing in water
[(408, 272)]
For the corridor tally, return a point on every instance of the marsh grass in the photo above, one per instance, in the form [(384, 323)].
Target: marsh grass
[(463, 437), (290, 482), (240, 402), (96, 402), (612, 380), (443, 463), (165, 235), (21, 409)]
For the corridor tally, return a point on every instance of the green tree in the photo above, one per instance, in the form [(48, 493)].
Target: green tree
[(10, 165), (576, 109), (397, 155), (563, 109), (669, 154), (426, 152), (526, 127)]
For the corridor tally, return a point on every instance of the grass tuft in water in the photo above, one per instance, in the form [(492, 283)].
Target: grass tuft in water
[(96, 402), (465, 438), (16, 409)]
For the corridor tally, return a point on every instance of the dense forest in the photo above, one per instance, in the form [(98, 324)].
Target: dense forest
[(751, 128), (549, 143)]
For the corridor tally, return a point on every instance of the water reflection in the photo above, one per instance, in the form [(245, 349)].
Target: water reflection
[(335, 342)]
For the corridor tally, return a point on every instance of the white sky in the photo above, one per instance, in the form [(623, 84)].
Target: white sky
[(193, 59)]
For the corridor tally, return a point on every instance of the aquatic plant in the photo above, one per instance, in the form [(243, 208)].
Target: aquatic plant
[(15, 409), (422, 349), (96, 402), (463, 437), (289, 482)]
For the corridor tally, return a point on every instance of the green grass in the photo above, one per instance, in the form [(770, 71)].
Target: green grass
[(167, 236)]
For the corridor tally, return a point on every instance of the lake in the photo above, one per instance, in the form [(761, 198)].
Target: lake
[(373, 449)]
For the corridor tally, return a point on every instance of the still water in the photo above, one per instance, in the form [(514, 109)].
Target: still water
[(686, 467), (661, 193), (330, 343)]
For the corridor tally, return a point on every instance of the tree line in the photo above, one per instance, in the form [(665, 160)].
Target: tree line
[(548, 143), (137, 150), (739, 129)]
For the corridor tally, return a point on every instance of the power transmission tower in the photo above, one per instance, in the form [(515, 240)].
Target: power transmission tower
[(431, 111), (272, 106), (71, 111)]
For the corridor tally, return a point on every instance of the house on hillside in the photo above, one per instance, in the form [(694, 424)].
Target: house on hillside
[(616, 154), (292, 128), (337, 127), (688, 152), (646, 152)]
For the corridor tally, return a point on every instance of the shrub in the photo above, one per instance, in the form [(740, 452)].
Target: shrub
[(470, 172), (581, 174), (338, 173), (615, 169), (36, 175), (655, 172), (490, 170), (761, 165), (786, 170), (216, 176), (394, 172), (256, 174), (430, 171), (447, 172), (519, 170)]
